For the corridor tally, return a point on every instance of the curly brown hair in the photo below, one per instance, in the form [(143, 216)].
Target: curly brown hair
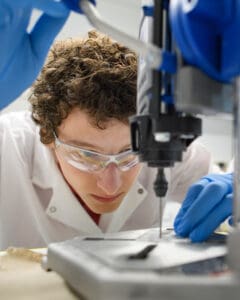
[(96, 74)]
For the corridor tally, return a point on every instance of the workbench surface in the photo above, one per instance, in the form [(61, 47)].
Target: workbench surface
[(24, 279)]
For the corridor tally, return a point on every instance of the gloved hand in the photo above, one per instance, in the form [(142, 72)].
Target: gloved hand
[(207, 204), (22, 54)]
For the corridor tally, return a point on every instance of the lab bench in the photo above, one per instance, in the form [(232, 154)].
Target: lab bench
[(24, 279)]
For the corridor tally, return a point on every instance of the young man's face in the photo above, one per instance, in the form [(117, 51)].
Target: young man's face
[(103, 190)]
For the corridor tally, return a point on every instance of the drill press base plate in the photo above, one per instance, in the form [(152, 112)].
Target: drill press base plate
[(139, 265)]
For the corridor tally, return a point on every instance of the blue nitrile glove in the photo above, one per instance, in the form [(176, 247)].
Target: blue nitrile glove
[(22, 54), (207, 204)]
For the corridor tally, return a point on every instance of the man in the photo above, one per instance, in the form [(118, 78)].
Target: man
[(21, 58), (82, 177)]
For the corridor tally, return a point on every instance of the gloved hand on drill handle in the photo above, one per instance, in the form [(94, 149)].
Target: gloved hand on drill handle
[(22, 53), (207, 204)]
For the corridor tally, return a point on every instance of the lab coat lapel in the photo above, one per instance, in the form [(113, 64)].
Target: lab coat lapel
[(114, 222), (65, 208)]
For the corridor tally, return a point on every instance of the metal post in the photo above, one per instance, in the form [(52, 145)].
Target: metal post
[(236, 206), (234, 237)]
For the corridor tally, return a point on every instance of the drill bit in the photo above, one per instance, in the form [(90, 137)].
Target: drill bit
[(160, 216), (160, 187)]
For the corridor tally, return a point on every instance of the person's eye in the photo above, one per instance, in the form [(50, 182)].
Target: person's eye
[(125, 150), (76, 154), (86, 157)]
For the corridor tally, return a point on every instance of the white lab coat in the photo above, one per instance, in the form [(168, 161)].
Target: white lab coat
[(37, 206)]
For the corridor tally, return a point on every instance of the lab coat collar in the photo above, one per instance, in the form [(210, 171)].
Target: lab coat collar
[(72, 213), (65, 208)]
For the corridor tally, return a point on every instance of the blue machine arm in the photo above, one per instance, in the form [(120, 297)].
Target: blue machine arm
[(208, 35)]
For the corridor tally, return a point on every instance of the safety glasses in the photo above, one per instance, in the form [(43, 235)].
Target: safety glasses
[(91, 161)]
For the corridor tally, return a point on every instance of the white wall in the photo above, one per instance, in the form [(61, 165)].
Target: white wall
[(125, 15), (217, 136)]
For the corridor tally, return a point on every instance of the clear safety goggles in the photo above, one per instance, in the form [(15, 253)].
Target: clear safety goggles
[(91, 161)]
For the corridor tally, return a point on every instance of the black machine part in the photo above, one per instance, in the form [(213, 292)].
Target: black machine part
[(159, 133), (178, 130)]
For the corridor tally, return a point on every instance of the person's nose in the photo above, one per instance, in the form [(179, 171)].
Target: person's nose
[(109, 179)]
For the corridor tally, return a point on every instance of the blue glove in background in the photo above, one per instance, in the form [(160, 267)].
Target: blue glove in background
[(22, 54), (207, 204)]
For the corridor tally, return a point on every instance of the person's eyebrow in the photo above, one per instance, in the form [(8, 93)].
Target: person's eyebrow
[(93, 147)]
